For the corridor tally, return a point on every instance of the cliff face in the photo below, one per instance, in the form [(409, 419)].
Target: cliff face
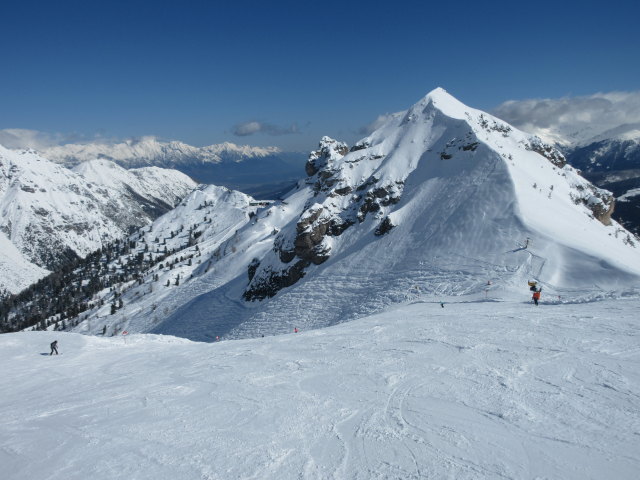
[(336, 205)]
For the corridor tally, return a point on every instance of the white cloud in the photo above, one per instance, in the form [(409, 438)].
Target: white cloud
[(251, 128), (377, 123), (24, 138), (16, 138), (572, 119)]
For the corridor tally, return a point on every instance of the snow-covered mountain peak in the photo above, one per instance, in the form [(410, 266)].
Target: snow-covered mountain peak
[(442, 199), (441, 109), (442, 100), (243, 149), (622, 133), (93, 170), (449, 156)]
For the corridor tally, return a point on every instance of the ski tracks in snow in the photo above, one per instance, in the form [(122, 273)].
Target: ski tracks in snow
[(474, 390)]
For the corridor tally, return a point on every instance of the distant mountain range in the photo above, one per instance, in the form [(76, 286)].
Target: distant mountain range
[(149, 151), (442, 200), (264, 172)]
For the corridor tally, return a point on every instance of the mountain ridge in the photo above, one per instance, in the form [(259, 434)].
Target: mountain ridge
[(442, 199), (257, 171), (52, 214)]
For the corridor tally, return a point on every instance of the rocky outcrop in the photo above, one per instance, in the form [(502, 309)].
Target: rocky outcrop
[(599, 201), (336, 205), (311, 230), (272, 281), (378, 197), (602, 209), (547, 151), (385, 227), (321, 159), (251, 269)]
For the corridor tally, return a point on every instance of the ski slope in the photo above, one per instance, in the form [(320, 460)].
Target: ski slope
[(472, 390)]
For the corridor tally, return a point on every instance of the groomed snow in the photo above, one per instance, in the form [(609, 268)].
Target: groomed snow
[(472, 390)]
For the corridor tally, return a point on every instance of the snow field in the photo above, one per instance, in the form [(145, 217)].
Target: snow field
[(471, 390)]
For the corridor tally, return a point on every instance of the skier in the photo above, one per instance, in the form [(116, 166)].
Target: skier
[(536, 296), (104, 330), (54, 347), (295, 330), (442, 304)]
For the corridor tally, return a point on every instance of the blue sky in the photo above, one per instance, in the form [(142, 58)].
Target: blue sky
[(286, 73)]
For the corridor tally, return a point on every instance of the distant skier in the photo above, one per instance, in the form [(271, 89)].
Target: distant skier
[(295, 330), (54, 347), (442, 304), (536, 296), (104, 330)]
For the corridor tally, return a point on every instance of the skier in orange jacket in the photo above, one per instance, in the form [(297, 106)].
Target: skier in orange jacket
[(536, 296)]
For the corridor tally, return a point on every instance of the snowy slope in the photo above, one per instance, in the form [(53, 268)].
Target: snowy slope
[(16, 271), (181, 246), (156, 188), (469, 391), (50, 213), (605, 151)]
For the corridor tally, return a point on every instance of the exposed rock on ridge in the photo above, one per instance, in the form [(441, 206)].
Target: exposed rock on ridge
[(349, 184)]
